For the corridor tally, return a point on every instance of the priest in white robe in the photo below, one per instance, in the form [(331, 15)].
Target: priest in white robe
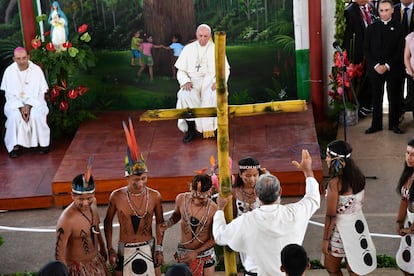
[(197, 78), (26, 109), (265, 231)]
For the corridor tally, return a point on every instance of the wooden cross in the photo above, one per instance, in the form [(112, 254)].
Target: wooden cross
[(222, 112)]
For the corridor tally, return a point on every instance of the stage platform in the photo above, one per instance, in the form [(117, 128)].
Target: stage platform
[(43, 181)]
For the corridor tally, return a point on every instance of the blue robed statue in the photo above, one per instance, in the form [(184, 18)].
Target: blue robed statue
[(58, 21)]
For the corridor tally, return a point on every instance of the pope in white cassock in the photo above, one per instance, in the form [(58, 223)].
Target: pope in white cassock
[(197, 78), (265, 231), (25, 86)]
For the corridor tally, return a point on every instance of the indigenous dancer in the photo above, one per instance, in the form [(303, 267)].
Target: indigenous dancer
[(195, 209), (245, 199), (135, 204), (79, 243), (346, 233), (405, 219), (197, 78)]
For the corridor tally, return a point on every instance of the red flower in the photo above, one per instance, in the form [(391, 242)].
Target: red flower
[(82, 90), (215, 181), (331, 93), (276, 71), (73, 94), (338, 59), (354, 70), (50, 47), (54, 93), (67, 45), (83, 28), (63, 106), (46, 33), (36, 43)]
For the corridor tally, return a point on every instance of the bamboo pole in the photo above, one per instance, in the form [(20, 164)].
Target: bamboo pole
[(233, 110), (223, 141)]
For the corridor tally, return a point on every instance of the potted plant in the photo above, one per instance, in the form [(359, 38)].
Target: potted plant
[(345, 83)]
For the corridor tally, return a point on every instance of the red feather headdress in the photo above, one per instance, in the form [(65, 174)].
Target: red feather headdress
[(134, 161)]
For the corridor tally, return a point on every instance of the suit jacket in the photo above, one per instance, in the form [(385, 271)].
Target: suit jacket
[(398, 14), (384, 43), (353, 40)]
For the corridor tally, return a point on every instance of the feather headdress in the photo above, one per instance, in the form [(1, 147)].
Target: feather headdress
[(83, 183), (134, 161)]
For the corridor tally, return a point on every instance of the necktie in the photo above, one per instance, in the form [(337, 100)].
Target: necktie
[(404, 20), (367, 16)]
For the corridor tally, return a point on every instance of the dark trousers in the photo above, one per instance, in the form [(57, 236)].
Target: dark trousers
[(395, 98), (409, 99), (365, 92)]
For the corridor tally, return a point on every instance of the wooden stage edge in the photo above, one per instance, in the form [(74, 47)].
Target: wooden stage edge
[(275, 139)]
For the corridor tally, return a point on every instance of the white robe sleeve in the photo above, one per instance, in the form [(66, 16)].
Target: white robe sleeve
[(303, 210), (8, 84), (38, 89), (183, 64), (224, 233)]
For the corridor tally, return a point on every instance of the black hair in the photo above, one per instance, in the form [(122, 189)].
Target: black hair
[(178, 37), (204, 180), (294, 259), (146, 36), (345, 168), (180, 269), (405, 175), (246, 161), (54, 268)]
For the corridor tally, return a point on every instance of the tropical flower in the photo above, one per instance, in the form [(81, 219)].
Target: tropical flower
[(66, 110), (344, 88)]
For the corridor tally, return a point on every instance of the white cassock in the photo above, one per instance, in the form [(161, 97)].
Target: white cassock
[(196, 64), (25, 87)]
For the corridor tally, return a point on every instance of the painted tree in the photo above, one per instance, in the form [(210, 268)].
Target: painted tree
[(9, 11), (162, 19)]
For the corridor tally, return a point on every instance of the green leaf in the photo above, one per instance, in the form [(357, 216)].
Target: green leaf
[(85, 37), (73, 51), (41, 17)]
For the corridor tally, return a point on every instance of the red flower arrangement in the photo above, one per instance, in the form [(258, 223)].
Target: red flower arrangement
[(344, 89), (66, 110)]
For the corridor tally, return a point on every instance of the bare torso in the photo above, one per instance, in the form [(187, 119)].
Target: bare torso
[(135, 214), (80, 232), (196, 221)]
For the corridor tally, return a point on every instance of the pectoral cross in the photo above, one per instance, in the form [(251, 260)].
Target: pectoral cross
[(198, 66), (221, 111)]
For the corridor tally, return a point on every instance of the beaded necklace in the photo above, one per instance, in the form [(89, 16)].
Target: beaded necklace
[(136, 194), (131, 204), (92, 229), (191, 225)]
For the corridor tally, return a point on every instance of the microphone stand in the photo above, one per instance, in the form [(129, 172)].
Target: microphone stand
[(343, 70)]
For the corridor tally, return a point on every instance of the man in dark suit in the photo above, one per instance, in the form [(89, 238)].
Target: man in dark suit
[(403, 13), (359, 15), (383, 44)]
